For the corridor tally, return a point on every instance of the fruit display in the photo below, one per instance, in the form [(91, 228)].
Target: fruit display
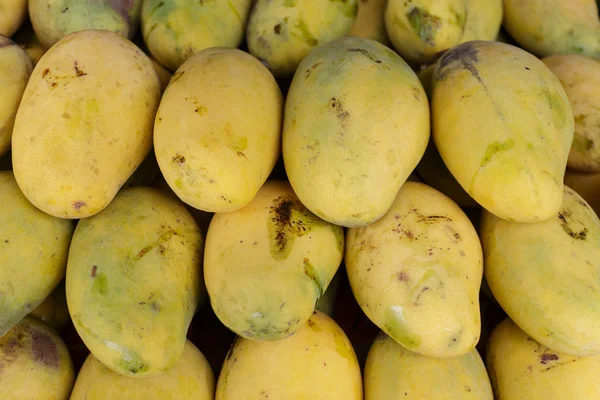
[(299, 199)]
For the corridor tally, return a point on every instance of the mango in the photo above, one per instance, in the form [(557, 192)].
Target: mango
[(189, 379), (53, 310), (580, 77), (416, 273), (546, 27), (393, 373), (420, 30), (586, 185), (174, 30), (281, 33), (15, 69), (12, 15), (356, 124), (326, 303), (35, 363), (506, 144), (33, 253), (133, 281), (84, 125), (370, 22), (267, 265), (164, 75), (217, 133), (317, 362), (544, 275), (52, 20), (521, 368)]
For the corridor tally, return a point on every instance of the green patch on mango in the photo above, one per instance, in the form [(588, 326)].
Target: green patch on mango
[(495, 148), (349, 8), (290, 3), (311, 272), (305, 34), (133, 363), (397, 329), (424, 24), (582, 144), (100, 285)]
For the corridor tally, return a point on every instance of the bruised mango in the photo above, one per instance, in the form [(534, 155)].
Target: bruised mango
[(84, 125), (506, 144), (189, 379), (34, 363), (134, 277), (33, 253), (317, 362), (268, 264), (12, 15), (370, 22), (394, 373), (356, 125), (281, 33), (545, 275), (416, 273)]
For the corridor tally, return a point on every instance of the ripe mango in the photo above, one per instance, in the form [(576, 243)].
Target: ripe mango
[(12, 15), (370, 22)]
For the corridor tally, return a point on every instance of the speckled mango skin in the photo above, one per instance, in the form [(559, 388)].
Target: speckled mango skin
[(54, 19), (544, 275), (421, 29), (356, 124), (53, 311), (267, 265), (84, 126), (580, 77), (506, 144), (15, 69), (189, 379), (33, 253), (522, 369), (217, 134), (35, 363), (282, 32), (174, 30), (546, 27), (370, 22), (416, 273), (394, 373), (317, 362), (134, 277), (12, 15)]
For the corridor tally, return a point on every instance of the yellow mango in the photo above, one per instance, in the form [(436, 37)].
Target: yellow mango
[(545, 275), (393, 373), (217, 134), (15, 69), (416, 273), (84, 125), (281, 33), (586, 185), (356, 124), (546, 27), (189, 379), (53, 311), (174, 30), (267, 265), (484, 19), (317, 362), (134, 277), (12, 15), (580, 77), (33, 253), (522, 369), (370, 22), (35, 363), (506, 144)]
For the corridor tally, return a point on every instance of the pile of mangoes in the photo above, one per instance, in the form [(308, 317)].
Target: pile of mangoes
[(299, 199)]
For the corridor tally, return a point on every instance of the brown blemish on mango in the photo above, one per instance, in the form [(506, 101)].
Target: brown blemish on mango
[(178, 159), (545, 357), (311, 69), (77, 205), (463, 56), (341, 113), (403, 276), (78, 72), (564, 223), (365, 53), (44, 349)]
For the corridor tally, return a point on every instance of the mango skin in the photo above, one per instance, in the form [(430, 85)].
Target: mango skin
[(267, 265), (281, 33), (356, 124), (370, 21), (416, 273), (546, 27), (586, 185), (580, 77), (544, 275), (506, 144), (189, 379), (84, 126), (12, 15), (217, 134), (15, 69), (33, 253), (174, 30), (133, 281), (53, 311), (54, 19), (35, 363), (484, 20), (317, 362), (522, 369), (394, 373)]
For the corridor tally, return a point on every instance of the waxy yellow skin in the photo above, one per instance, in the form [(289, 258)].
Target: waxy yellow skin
[(370, 22), (12, 15)]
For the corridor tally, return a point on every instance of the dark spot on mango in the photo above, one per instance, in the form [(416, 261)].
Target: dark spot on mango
[(423, 290), (463, 56), (365, 53), (178, 159), (403, 276), (94, 269), (545, 357), (311, 69), (563, 216), (78, 204), (45, 72), (78, 72), (44, 349), (424, 24), (339, 110), (467, 389), (431, 219), (277, 29)]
